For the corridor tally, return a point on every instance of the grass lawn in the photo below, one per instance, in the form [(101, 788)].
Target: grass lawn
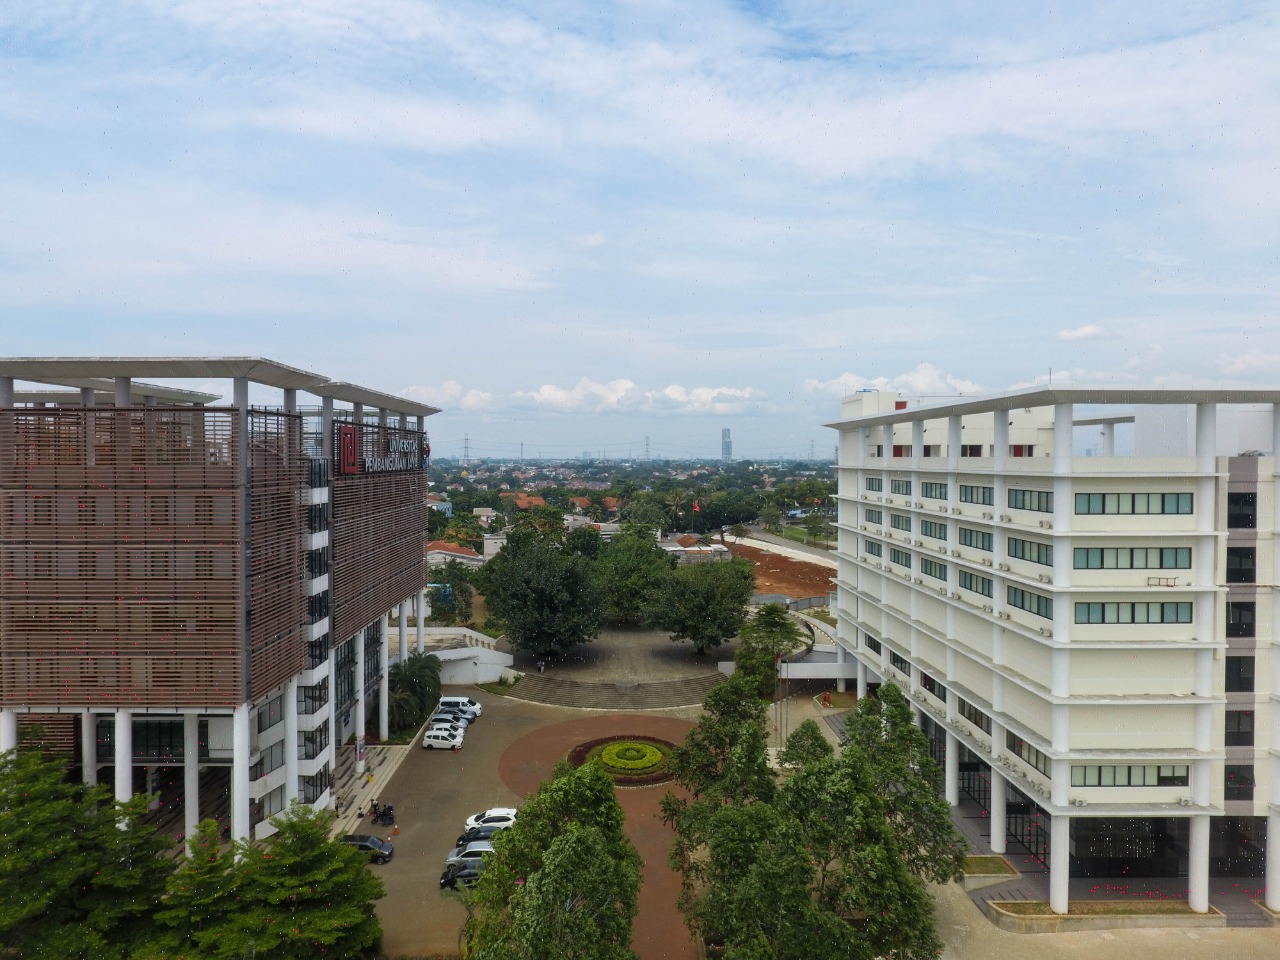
[(801, 535), (499, 689), (1096, 908), (988, 866)]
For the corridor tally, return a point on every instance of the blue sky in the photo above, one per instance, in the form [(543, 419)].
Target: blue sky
[(578, 225)]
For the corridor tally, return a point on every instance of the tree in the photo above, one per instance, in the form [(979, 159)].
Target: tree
[(805, 745), (816, 526), (767, 636), (645, 513), (584, 541), (414, 685), (548, 596), (895, 752), (305, 894), (703, 602), (80, 871), (771, 517), (632, 569), (454, 603)]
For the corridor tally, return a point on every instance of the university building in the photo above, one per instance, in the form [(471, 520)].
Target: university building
[(204, 589), (1076, 589)]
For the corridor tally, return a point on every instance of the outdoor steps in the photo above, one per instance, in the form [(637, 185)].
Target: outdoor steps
[(614, 695)]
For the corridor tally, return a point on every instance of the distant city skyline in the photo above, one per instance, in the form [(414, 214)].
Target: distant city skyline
[(577, 226)]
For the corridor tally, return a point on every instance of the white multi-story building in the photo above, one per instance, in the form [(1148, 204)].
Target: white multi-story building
[(1088, 639)]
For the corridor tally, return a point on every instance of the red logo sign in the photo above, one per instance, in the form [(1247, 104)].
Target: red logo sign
[(348, 448)]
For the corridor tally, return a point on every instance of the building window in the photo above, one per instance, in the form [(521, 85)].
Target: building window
[(1242, 511), (318, 607), (974, 715), (1041, 553), (899, 663), (978, 539), (975, 494), (932, 568), (1240, 674), (873, 547), (1090, 503), (1132, 558), (971, 450), (1238, 781), (317, 562), (971, 581), (933, 491), (875, 483), (313, 742), (1146, 775), (272, 759), (1239, 728), (1027, 752), (900, 521), (1178, 612), (1031, 602), (270, 713), (900, 557), (872, 644), (932, 528), (900, 486), (872, 516), (317, 652), (1041, 501), (1240, 565), (933, 686), (269, 806), (1240, 618), (311, 788), (311, 699)]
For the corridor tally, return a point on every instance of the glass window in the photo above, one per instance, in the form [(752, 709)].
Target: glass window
[(1240, 564), (900, 486), (932, 568), (1240, 618), (873, 548), (1238, 780), (1242, 510), (978, 539), (934, 529), (875, 483), (1239, 728), (970, 493), (934, 491)]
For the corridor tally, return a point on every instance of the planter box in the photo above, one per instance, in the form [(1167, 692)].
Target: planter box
[(1057, 923)]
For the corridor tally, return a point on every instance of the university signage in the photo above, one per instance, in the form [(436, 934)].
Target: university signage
[(396, 452)]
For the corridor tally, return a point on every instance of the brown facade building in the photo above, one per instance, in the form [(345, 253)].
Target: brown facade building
[(198, 586)]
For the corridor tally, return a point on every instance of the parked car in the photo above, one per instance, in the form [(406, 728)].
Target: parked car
[(494, 816), (461, 873), (441, 740), (379, 850), (471, 852), (484, 832), (454, 718), (460, 703), (457, 728)]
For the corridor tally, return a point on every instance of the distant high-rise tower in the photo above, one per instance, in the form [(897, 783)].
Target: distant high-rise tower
[(726, 445)]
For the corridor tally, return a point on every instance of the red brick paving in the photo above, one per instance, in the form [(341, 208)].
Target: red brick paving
[(659, 931)]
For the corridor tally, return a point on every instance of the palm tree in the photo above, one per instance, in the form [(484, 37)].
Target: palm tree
[(676, 501)]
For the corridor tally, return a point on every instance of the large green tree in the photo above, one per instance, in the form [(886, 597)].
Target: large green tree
[(414, 686), (451, 601), (548, 596), (767, 636), (705, 603), (80, 872), (632, 569)]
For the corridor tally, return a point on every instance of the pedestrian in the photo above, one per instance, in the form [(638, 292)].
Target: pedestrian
[(542, 665)]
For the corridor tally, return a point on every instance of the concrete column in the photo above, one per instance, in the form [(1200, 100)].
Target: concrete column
[(1062, 437), (1273, 862), (1060, 782), (359, 704), (124, 392), (123, 742), (6, 392), (917, 447), (8, 730), (420, 620), (840, 661), (1198, 864), (191, 773), (290, 400), (240, 773), (335, 735), (384, 687), (291, 739), (403, 615), (951, 770), (1108, 439), (326, 428), (88, 399), (1059, 862), (88, 748), (862, 680), (955, 439), (999, 811), (1000, 442), (1060, 715)]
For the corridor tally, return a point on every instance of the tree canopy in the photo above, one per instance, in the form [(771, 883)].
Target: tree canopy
[(633, 569), (705, 603), (768, 635)]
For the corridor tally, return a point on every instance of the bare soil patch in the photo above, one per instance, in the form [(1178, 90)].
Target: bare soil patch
[(791, 578)]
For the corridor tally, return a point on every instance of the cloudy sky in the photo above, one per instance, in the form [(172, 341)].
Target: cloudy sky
[(581, 224)]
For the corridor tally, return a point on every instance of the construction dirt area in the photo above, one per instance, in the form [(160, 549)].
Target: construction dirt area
[(791, 578)]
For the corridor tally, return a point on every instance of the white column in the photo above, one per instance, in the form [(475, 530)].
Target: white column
[(999, 815), (291, 739), (358, 640), (240, 773), (88, 748), (1198, 864), (1108, 439), (191, 772), (951, 770), (124, 392), (123, 742), (1273, 862), (419, 605), (1062, 437), (840, 661), (403, 614), (6, 394), (8, 730), (1059, 862), (335, 734), (954, 441), (384, 688), (862, 680)]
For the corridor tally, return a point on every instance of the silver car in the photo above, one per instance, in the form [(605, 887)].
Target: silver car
[(471, 853)]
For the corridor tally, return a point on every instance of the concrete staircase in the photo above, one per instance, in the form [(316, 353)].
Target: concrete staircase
[(614, 695)]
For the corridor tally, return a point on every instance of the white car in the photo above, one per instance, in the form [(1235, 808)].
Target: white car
[(465, 704), (457, 728), (441, 740), (454, 718), (495, 816)]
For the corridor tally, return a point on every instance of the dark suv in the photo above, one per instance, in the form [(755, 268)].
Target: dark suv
[(379, 850), (461, 873), (482, 832)]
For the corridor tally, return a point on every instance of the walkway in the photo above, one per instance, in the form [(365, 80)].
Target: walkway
[(615, 695)]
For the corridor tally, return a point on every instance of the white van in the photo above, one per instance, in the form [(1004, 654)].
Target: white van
[(465, 704), (441, 740)]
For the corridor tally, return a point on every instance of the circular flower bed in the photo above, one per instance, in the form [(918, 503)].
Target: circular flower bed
[(629, 761)]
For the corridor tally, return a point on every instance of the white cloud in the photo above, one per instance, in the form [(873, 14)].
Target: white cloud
[(1090, 331), (588, 396), (450, 395), (1249, 362), (924, 380)]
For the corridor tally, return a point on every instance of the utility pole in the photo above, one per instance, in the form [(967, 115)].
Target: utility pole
[(466, 449), (646, 447), (521, 451)]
